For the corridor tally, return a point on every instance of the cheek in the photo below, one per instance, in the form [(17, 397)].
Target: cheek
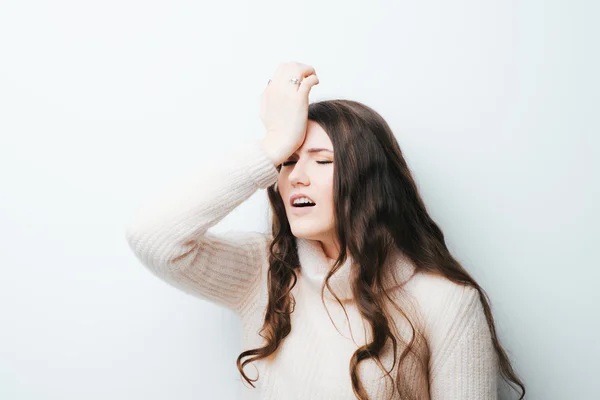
[(327, 193), (283, 190)]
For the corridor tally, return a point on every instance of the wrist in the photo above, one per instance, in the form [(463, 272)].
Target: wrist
[(271, 153)]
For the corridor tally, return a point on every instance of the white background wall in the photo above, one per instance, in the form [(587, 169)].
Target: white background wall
[(495, 104)]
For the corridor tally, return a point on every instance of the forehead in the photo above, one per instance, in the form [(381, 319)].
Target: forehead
[(316, 139)]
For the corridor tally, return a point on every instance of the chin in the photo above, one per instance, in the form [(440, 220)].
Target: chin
[(304, 233), (310, 234)]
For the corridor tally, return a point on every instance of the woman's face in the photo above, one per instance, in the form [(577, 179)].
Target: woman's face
[(310, 172)]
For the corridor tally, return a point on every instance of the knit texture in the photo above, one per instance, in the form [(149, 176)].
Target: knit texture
[(171, 236)]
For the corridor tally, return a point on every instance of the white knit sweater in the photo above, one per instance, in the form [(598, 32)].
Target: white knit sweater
[(171, 237)]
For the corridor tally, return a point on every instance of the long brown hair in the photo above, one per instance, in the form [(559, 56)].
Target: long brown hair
[(377, 206)]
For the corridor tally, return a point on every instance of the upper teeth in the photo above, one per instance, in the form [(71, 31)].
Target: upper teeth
[(302, 200)]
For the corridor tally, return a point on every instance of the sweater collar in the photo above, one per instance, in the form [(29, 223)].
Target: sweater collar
[(315, 264)]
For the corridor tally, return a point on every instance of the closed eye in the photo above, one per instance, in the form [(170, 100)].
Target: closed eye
[(318, 162)]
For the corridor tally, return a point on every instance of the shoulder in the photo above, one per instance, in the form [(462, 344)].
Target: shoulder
[(435, 290), (442, 303), (457, 332)]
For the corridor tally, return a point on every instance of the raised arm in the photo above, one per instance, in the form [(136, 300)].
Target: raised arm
[(170, 235)]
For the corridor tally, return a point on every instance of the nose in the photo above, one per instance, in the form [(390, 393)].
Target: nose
[(298, 174)]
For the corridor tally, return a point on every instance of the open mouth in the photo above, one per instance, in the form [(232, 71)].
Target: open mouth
[(301, 200), (300, 205)]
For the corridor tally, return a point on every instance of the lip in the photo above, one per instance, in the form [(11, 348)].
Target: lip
[(299, 211), (297, 195)]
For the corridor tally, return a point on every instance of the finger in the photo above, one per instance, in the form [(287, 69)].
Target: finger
[(298, 69), (305, 70), (308, 83), (302, 71), (286, 71)]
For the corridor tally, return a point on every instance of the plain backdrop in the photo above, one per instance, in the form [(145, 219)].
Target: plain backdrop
[(494, 103)]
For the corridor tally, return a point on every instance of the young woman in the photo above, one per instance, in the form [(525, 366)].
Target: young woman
[(354, 293)]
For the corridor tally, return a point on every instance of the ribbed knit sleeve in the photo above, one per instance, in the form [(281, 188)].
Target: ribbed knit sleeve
[(170, 233), (463, 362)]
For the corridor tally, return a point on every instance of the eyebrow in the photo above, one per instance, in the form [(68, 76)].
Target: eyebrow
[(315, 150)]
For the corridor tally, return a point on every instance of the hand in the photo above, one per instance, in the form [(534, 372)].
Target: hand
[(284, 109)]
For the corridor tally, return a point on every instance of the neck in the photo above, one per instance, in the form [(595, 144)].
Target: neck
[(330, 247), (315, 265)]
